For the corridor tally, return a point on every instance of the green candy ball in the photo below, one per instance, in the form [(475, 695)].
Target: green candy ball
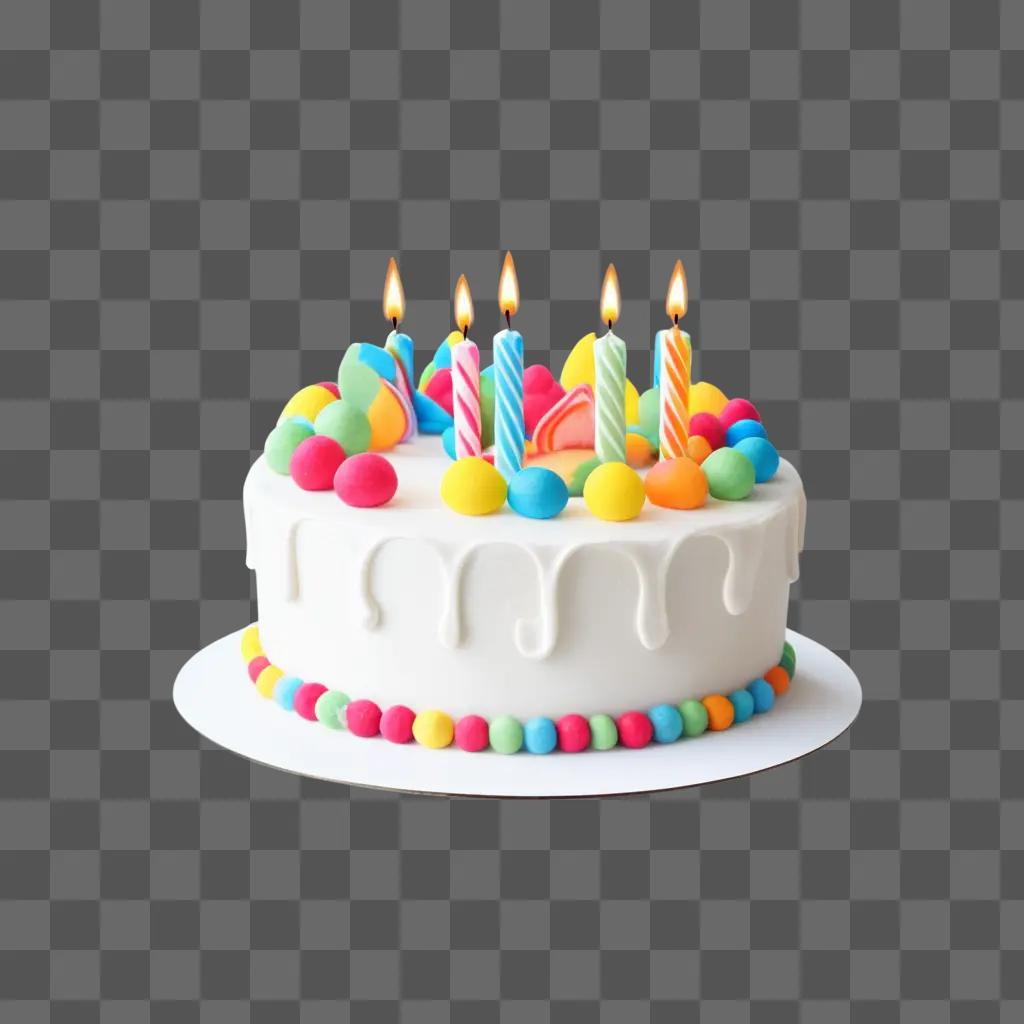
[(579, 476), (505, 734), (603, 732), (281, 443), (695, 717), (650, 413), (730, 474), (486, 410), (330, 707), (347, 425)]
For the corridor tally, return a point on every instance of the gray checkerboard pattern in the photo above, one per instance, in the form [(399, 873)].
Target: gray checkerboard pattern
[(197, 201)]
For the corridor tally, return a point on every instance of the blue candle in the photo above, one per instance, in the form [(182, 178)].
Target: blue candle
[(509, 425)]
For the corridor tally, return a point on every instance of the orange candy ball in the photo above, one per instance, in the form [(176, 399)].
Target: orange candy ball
[(638, 451), (676, 483), (720, 712), (778, 679), (698, 448)]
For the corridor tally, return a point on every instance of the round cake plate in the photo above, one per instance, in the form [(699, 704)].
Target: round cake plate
[(214, 695)]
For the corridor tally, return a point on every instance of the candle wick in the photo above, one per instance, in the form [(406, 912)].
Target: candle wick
[(465, 330), (610, 322), (394, 322), (508, 319), (675, 319)]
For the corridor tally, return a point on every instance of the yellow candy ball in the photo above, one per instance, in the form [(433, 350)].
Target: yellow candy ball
[(251, 646), (308, 403), (433, 729), (267, 680), (473, 487), (632, 404), (579, 364), (614, 492), (705, 397)]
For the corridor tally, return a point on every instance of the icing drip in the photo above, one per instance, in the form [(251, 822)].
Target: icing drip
[(745, 549), (652, 563), (796, 524), (290, 566), (535, 638), (362, 579), (453, 563), (250, 540)]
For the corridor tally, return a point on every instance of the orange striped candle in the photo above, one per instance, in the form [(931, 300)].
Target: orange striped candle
[(676, 359)]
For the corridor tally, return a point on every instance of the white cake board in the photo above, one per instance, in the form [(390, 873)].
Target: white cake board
[(214, 695)]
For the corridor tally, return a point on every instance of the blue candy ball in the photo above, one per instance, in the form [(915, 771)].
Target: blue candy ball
[(743, 705), (742, 429), (448, 441), (667, 722), (762, 454), (537, 493), (763, 694), (540, 736), (285, 690)]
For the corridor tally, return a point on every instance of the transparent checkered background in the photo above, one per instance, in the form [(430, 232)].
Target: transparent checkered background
[(197, 201)]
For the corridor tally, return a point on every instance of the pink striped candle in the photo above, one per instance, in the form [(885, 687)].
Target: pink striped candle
[(466, 399)]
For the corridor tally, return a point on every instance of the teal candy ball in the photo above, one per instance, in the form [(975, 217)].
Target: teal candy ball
[(281, 443), (743, 702), (347, 425), (667, 722), (448, 442), (537, 493), (744, 428), (730, 474), (762, 454)]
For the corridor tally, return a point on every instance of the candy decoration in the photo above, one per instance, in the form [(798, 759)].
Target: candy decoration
[(569, 423), (706, 425), (667, 723), (720, 712), (540, 736), (315, 462), (362, 718), (329, 709), (650, 412), (778, 679), (744, 428), (509, 425), (466, 399), (402, 349), (487, 404), (388, 419), (331, 386), (762, 455), (473, 487), (256, 666), (396, 723), (251, 646), (763, 694), (267, 680), (433, 729), (698, 448), (743, 705), (431, 418), (573, 733), (635, 729), (580, 475), (640, 453), (307, 402), (730, 474), (439, 389), (695, 717), (506, 734), (471, 733), (610, 399), (674, 385), (306, 696), (347, 424), (737, 409), (614, 492), (604, 734), (537, 493), (705, 397), (788, 659), (675, 483), (380, 360), (285, 690), (359, 383), (366, 481), (443, 355), (282, 441)]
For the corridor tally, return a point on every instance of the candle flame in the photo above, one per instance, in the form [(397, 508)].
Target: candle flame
[(394, 295), (463, 305), (610, 298), (676, 298), (508, 287)]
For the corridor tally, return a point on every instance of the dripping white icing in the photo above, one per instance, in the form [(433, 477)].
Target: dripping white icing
[(536, 637)]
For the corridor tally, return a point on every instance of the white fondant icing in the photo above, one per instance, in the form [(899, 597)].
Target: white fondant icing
[(701, 605)]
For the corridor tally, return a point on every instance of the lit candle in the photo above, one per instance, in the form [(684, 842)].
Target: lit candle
[(465, 378), (509, 426), (610, 378), (398, 344), (674, 378)]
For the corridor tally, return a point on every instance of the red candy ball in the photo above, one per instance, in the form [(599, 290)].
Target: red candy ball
[(708, 426), (256, 666), (362, 718), (737, 409), (315, 462), (396, 723), (366, 480), (573, 733), (471, 733), (331, 386), (306, 697), (635, 729)]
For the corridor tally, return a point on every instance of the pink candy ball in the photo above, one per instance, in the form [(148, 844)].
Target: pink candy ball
[(708, 426), (471, 733), (737, 409), (537, 379), (366, 480), (315, 462), (635, 729), (256, 666), (439, 388), (331, 386), (573, 733), (362, 718), (305, 700), (396, 723), (534, 407)]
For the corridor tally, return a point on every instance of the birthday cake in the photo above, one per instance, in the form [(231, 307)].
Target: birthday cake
[(501, 560)]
